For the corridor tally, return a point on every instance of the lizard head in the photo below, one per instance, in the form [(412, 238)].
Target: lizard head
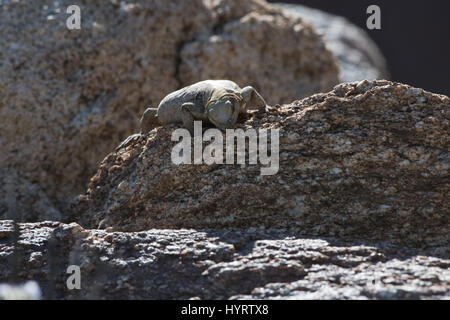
[(223, 113)]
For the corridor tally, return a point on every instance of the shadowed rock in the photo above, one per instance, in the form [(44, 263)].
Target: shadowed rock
[(217, 264)]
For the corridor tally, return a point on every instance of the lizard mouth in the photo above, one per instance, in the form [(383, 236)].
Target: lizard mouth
[(223, 126)]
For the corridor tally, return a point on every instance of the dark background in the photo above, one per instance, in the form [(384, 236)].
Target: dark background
[(414, 37)]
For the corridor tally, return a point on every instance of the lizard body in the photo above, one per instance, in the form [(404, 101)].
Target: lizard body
[(218, 102)]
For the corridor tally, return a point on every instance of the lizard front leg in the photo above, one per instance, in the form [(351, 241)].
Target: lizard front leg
[(189, 113), (252, 99)]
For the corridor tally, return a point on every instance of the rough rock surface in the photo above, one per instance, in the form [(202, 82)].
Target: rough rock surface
[(69, 97), (207, 264), (22, 200), (368, 160), (359, 57)]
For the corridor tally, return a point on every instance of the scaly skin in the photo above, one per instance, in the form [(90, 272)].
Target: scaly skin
[(218, 102)]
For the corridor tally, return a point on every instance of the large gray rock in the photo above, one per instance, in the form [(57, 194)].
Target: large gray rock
[(67, 98), (208, 264), (274, 57), (368, 160), (359, 57)]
